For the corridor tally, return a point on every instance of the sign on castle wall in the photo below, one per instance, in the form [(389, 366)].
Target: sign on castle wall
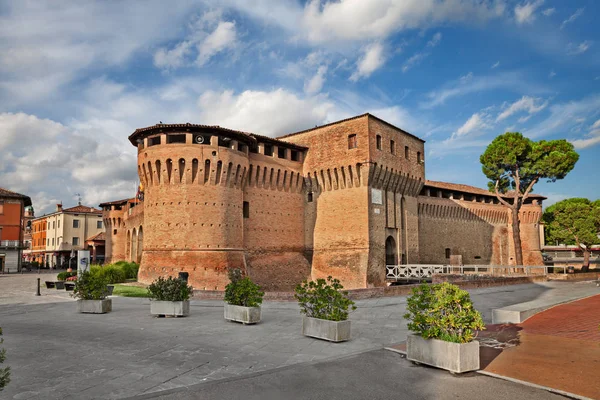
[(376, 196)]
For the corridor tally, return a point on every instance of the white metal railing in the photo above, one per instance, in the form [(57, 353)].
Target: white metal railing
[(420, 271)]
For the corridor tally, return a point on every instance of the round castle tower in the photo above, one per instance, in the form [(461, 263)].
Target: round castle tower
[(193, 201)]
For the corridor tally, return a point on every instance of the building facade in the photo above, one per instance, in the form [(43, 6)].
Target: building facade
[(59, 235), (343, 199), (12, 229)]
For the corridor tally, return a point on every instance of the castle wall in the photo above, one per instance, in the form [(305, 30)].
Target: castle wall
[(529, 217)]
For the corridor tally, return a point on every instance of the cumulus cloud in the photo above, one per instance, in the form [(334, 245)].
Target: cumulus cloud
[(377, 19), (223, 37), (372, 59), (527, 104), (574, 49), (525, 13), (572, 18), (270, 113), (174, 58)]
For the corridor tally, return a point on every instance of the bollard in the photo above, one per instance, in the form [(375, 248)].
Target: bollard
[(38, 288)]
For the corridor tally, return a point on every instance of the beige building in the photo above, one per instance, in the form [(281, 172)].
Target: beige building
[(67, 231)]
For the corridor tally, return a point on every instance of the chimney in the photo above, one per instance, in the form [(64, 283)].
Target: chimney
[(59, 207)]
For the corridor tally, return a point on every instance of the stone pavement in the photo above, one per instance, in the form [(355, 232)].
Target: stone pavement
[(56, 353), (557, 348)]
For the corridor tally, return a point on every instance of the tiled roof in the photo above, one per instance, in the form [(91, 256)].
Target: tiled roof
[(350, 119), (116, 202), (99, 237), (82, 209), (14, 195), (457, 187)]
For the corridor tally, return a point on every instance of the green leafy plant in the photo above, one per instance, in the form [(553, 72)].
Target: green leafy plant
[(241, 291), (4, 372), (324, 299), (443, 311), (90, 287), (130, 269), (170, 289), (62, 276), (112, 274)]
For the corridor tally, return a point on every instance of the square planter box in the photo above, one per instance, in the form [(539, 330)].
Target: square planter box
[(334, 331), (94, 306), (59, 284), (170, 308), (245, 315), (454, 357)]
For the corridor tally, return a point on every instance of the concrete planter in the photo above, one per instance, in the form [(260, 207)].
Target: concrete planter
[(334, 331), (94, 306), (245, 315), (171, 308), (454, 357)]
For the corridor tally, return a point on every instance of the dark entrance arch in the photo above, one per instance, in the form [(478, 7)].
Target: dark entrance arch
[(391, 251)]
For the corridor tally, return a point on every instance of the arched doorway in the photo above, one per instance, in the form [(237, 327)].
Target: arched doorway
[(391, 251), (140, 241)]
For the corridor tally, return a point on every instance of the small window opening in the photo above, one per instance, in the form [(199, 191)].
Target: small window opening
[(352, 142), (419, 160), (246, 209), (478, 257), (392, 147), (294, 155), (310, 197), (447, 253), (175, 139), (268, 150), (378, 142), (281, 152), (153, 141), (241, 147), (406, 152)]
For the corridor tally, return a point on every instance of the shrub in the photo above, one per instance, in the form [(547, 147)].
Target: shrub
[(241, 291), (112, 274), (442, 311), (62, 276), (170, 289), (324, 299), (90, 287), (4, 372), (130, 269), (95, 269)]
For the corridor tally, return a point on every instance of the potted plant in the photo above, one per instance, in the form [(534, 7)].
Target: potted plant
[(169, 297), (325, 308), (90, 290), (445, 322), (242, 299)]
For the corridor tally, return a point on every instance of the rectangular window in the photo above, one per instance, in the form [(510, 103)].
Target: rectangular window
[(75, 223), (53, 224), (268, 150), (352, 142), (75, 241), (241, 147), (153, 141), (448, 253), (59, 224), (99, 225), (294, 155), (246, 209), (392, 147), (406, 152), (281, 152), (52, 241), (378, 142), (175, 138), (419, 157), (310, 197), (48, 242)]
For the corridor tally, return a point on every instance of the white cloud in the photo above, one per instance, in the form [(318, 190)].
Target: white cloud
[(549, 11), (372, 59), (377, 19), (496, 65), (574, 49), (592, 138), (552, 74), (528, 104), (315, 84), (525, 13), (475, 124), (572, 18), (270, 113), (435, 40), (414, 60), (173, 58), (222, 38)]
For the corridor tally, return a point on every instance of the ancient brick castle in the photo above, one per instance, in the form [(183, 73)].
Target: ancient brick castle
[(342, 199)]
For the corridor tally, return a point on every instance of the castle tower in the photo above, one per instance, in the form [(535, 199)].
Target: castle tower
[(193, 201)]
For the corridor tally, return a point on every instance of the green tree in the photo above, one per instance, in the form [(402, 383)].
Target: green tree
[(4, 372), (576, 222), (514, 164)]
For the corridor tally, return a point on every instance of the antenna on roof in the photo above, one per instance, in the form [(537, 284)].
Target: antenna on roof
[(78, 197)]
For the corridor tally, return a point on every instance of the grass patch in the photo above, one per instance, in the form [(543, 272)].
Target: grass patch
[(130, 291)]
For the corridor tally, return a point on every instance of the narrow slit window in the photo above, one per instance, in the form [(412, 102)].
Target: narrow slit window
[(310, 197), (246, 209), (352, 142), (378, 142), (392, 147), (419, 160), (447, 253), (406, 152)]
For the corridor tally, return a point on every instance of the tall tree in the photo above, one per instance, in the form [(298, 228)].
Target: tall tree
[(574, 221), (514, 163)]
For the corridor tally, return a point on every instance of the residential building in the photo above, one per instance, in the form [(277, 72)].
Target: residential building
[(12, 212)]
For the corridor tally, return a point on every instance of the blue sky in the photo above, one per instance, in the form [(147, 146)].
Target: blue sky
[(76, 78)]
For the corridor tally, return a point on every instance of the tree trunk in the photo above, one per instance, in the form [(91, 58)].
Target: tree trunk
[(516, 229), (586, 260)]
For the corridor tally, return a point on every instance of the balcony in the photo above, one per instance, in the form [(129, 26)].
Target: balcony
[(13, 244)]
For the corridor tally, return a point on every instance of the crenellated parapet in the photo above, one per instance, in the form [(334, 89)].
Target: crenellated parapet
[(394, 180)]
